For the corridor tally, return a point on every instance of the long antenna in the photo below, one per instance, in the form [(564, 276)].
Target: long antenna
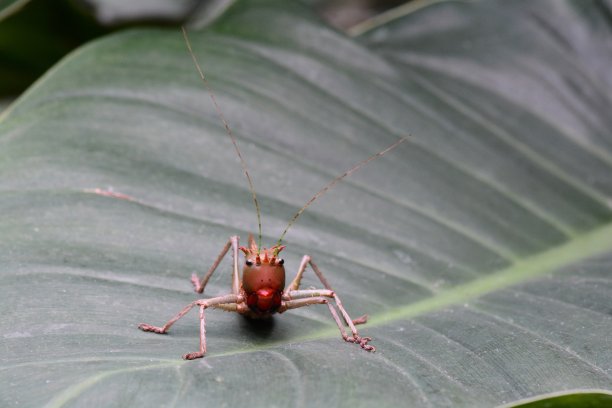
[(227, 129), (336, 180)]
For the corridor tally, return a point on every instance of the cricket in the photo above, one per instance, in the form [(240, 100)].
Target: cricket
[(260, 291)]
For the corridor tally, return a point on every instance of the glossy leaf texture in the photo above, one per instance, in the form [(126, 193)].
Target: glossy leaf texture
[(481, 248)]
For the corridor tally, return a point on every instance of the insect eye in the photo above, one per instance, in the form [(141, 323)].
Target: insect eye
[(281, 261), (249, 263)]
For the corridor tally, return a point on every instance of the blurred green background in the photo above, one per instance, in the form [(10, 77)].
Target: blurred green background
[(35, 34)]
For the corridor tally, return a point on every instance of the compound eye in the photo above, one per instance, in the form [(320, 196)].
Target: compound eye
[(249, 263), (281, 261)]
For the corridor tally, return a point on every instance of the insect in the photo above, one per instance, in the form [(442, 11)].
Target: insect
[(260, 292)]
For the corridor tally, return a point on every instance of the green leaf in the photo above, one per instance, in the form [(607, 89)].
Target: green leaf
[(585, 399), (481, 248)]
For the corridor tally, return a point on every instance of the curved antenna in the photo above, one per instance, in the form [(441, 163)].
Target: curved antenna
[(336, 180), (227, 129)]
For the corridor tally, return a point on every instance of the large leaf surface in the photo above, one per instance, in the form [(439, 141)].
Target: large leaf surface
[(481, 248)]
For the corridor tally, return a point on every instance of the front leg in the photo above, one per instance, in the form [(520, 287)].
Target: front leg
[(314, 297), (225, 302), (295, 285), (292, 292)]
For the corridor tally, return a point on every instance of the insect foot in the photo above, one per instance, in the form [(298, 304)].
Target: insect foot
[(197, 287), (149, 328), (193, 356), (363, 342), (361, 319)]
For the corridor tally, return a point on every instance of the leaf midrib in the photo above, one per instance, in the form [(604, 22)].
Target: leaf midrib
[(580, 247)]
